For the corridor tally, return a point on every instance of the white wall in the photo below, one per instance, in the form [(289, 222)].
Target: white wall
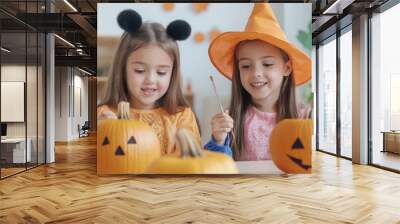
[(314, 88), (33, 126), (80, 100), (17, 73), (14, 73), (196, 66), (61, 103), (296, 16), (68, 82)]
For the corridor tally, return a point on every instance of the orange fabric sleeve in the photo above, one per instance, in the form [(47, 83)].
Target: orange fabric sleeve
[(188, 120), (103, 108)]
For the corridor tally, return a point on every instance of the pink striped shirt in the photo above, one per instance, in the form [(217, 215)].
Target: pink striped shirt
[(257, 128)]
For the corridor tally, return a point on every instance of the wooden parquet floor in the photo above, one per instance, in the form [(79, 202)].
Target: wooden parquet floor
[(10, 171), (69, 191)]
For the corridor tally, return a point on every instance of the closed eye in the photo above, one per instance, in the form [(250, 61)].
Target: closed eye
[(267, 65), (161, 73), (140, 71)]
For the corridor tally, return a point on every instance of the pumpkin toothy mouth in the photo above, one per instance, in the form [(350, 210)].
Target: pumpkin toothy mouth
[(299, 162)]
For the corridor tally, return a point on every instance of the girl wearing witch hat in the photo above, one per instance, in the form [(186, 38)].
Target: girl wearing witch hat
[(265, 69), (146, 73)]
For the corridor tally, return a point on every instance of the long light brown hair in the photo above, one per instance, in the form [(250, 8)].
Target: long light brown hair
[(285, 106), (149, 33)]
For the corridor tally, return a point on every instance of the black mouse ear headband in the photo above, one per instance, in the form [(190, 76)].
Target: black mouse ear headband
[(130, 21)]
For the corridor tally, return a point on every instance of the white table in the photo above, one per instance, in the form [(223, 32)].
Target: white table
[(258, 167), (18, 149)]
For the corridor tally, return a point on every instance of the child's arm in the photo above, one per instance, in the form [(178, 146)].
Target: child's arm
[(221, 125), (104, 112), (213, 146)]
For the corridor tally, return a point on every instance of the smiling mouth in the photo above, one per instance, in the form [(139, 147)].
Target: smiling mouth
[(258, 84), (148, 91), (299, 162)]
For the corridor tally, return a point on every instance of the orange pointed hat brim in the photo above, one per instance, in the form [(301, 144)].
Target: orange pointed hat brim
[(222, 48)]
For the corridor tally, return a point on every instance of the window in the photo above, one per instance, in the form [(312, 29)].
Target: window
[(385, 89), (22, 66), (346, 94), (327, 96)]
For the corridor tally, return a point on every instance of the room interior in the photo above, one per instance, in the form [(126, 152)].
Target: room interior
[(51, 83)]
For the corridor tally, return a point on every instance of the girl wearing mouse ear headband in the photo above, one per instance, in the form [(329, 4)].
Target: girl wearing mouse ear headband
[(146, 73)]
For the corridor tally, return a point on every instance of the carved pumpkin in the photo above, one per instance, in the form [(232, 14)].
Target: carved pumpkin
[(192, 159), (290, 145), (125, 146)]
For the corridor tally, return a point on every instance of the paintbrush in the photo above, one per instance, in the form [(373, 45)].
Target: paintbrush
[(216, 94), (220, 105)]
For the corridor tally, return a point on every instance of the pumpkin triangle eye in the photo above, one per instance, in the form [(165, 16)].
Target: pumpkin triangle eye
[(297, 144), (106, 141), (119, 151), (132, 140)]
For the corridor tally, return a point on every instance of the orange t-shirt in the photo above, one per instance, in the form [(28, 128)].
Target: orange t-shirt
[(163, 123)]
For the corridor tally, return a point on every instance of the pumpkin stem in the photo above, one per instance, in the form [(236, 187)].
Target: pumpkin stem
[(187, 144), (123, 110)]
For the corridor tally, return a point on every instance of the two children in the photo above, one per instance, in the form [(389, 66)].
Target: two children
[(263, 66)]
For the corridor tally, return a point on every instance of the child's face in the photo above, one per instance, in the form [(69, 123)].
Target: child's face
[(262, 68), (148, 70)]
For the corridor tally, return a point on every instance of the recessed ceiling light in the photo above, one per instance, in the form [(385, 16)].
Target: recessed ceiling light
[(5, 50), (70, 5), (337, 7), (64, 40), (84, 71)]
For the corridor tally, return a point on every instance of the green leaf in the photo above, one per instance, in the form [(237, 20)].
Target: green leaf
[(305, 38)]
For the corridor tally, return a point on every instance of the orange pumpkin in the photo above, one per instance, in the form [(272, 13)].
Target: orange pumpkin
[(125, 146), (290, 145), (192, 159)]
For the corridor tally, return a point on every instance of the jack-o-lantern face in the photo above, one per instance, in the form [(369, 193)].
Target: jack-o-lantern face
[(125, 146), (290, 145)]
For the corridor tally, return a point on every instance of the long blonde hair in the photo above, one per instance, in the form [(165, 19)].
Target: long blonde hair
[(149, 33), (241, 99)]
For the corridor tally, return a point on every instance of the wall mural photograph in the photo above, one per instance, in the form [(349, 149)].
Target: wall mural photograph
[(204, 88)]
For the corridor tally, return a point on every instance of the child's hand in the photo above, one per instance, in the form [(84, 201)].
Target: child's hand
[(221, 125), (107, 114)]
